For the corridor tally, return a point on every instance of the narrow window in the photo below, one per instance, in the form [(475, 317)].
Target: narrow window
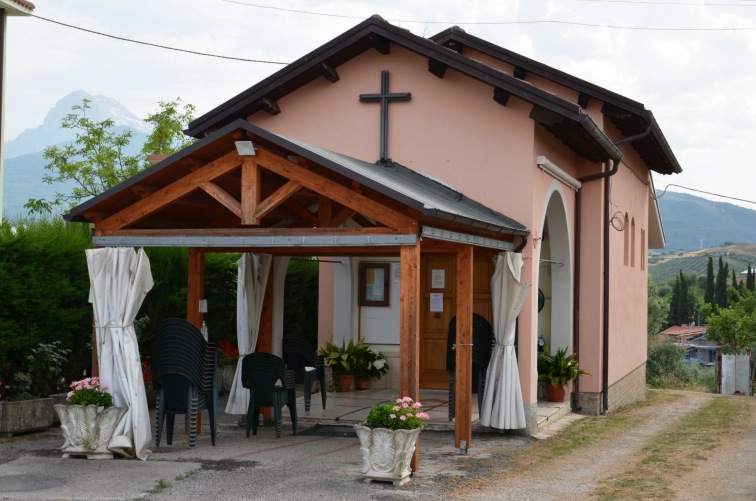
[(632, 243), (643, 253), (627, 240)]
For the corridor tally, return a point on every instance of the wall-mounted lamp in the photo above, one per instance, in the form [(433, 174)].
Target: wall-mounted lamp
[(245, 148)]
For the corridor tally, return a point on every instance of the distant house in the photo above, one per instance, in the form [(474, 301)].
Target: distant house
[(693, 339)]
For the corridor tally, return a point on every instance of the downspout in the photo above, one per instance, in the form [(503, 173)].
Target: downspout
[(608, 173)]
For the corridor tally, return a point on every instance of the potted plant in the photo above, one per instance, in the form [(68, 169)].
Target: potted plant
[(88, 420), (343, 361), (557, 370), (371, 365), (27, 406), (387, 439)]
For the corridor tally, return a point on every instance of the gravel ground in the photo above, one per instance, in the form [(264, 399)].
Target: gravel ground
[(303, 467)]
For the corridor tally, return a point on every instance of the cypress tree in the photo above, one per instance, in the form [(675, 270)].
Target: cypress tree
[(734, 280), (684, 304), (720, 287), (709, 291), (751, 279), (674, 303)]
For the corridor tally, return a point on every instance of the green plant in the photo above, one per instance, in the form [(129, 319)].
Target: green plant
[(559, 368), (402, 414), (370, 365), (89, 392), (343, 359)]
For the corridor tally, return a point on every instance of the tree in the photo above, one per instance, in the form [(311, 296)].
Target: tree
[(658, 310), (674, 303), (735, 327), (720, 288), (97, 158), (709, 290), (751, 279)]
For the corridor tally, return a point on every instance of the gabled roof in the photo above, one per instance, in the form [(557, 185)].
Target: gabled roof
[(562, 118), (630, 117), (435, 203)]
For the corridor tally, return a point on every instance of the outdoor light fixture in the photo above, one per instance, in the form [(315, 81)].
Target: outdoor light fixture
[(245, 148)]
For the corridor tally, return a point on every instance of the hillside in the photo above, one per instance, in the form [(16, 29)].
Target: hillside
[(693, 223), (665, 267)]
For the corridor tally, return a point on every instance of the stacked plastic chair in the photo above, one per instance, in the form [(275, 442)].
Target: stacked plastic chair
[(269, 384), (483, 341), (184, 378), (300, 356)]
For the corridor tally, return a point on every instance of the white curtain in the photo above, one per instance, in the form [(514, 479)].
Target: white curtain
[(502, 399), (119, 280), (250, 291)]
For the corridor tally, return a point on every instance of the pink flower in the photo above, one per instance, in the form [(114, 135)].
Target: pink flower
[(423, 415), (409, 414), (395, 408), (392, 416), (403, 418), (404, 405), (416, 405)]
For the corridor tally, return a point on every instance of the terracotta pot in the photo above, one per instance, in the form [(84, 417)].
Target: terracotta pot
[(361, 384), (345, 382), (555, 393)]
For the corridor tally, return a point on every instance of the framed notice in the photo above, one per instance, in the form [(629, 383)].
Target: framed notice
[(374, 284)]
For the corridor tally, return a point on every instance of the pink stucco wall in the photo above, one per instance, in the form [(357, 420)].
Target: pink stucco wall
[(453, 130)]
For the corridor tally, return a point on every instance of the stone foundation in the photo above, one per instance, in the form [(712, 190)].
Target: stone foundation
[(628, 390)]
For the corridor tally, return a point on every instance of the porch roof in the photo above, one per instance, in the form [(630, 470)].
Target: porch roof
[(209, 203)]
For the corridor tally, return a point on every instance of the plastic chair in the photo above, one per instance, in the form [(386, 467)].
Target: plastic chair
[(269, 384), (483, 341), (184, 378), (299, 355)]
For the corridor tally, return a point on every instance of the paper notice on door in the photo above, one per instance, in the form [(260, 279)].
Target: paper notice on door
[(438, 279), (437, 301)]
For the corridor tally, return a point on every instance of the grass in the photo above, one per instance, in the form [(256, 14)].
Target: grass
[(674, 452), (160, 486)]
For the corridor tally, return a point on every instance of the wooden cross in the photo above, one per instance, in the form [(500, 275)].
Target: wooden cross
[(384, 98)]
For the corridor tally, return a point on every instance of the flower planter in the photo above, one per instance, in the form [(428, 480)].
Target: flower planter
[(386, 454), (555, 393), (87, 430), (26, 415), (227, 374), (361, 384)]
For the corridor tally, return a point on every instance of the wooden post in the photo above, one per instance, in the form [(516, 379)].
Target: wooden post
[(409, 329), (195, 286), (463, 375), (195, 292), (265, 334)]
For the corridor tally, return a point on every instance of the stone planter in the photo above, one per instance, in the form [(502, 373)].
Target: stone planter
[(88, 430), (26, 415), (386, 454), (227, 374)]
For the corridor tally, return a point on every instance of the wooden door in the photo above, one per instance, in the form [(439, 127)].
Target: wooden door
[(438, 277)]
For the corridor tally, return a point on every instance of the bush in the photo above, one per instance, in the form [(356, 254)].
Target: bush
[(665, 368)]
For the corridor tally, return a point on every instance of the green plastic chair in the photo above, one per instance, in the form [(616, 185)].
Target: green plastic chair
[(270, 384)]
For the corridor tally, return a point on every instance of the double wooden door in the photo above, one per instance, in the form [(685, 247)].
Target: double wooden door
[(438, 284)]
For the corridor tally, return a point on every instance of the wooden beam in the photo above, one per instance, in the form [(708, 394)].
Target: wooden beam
[(501, 96), (583, 100), (269, 105), (195, 286), (143, 191), (222, 196), (437, 68), (520, 72), (325, 211), (172, 192), (380, 43), (276, 198), (265, 334), (241, 232), (463, 375), (343, 216), (335, 191), (251, 191), (409, 328), (328, 72), (301, 211)]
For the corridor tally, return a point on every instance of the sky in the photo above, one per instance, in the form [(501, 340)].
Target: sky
[(692, 63)]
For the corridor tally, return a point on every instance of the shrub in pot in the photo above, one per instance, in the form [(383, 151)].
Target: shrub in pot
[(557, 370)]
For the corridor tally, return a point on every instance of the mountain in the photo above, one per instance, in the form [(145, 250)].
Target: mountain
[(51, 133), (24, 161), (694, 223)]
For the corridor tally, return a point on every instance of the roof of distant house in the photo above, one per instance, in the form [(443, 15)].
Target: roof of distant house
[(17, 7), (683, 332)]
